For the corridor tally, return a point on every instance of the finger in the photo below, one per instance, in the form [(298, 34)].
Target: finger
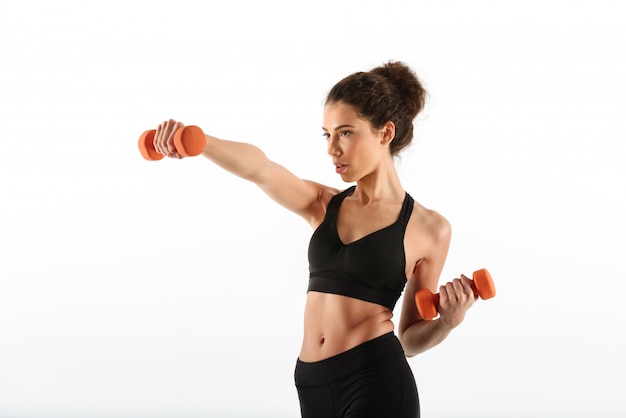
[(458, 286), (155, 140), (160, 139), (467, 285), (173, 127), (455, 290), (443, 295), (452, 294)]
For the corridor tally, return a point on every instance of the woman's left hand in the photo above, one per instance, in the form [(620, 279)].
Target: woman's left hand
[(455, 298)]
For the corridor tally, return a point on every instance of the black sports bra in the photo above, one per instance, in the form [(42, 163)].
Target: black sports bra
[(371, 268)]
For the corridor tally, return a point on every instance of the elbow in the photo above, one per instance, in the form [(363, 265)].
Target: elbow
[(415, 339), (409, 349), (409, 354)]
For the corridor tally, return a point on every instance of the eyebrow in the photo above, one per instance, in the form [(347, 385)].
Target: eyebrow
[(340, 127)]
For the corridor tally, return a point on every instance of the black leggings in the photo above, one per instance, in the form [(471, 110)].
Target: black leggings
[(371, 380)]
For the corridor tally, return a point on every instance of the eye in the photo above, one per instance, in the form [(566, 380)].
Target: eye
[(326, 135), (344, 133)]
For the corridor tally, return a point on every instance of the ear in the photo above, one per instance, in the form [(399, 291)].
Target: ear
[(388, 132)]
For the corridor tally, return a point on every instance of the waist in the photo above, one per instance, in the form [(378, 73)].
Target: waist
[(334, 324)]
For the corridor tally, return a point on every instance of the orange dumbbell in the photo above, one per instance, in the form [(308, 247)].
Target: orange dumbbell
[(188, 140), (428, 303)]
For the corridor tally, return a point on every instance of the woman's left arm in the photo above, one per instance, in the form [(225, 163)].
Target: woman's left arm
[(456, 297)]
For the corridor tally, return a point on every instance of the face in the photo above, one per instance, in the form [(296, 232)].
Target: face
[(356, 148)]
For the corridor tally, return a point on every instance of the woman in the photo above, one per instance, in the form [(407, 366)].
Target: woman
[(370, 243)]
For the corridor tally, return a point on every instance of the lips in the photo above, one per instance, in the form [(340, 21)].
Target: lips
[(340, 168)]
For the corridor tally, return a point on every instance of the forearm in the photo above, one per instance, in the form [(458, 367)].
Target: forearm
[(241, 159), (423, 335)]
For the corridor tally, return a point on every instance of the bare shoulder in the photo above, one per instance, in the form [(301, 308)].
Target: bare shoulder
[(429, 224), (427, 240)]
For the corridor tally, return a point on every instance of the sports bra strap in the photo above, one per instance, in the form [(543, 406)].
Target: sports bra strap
[(407, 209), (335, 202)]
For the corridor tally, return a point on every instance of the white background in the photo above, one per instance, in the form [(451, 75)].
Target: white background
[(171, 289)]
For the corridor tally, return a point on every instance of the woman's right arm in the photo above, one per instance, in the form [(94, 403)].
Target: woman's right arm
[(305, 198)]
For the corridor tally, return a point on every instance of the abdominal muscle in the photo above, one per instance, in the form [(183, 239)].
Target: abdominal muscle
[(334, 324)]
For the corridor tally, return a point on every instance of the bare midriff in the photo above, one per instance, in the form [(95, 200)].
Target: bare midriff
[(334, 324)]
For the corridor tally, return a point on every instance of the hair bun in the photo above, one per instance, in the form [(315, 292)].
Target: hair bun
[(407, 84)]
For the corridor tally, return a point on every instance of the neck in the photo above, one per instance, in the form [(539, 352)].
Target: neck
[(382, 184)]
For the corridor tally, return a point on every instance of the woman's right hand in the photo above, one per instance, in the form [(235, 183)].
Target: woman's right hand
[(164, 138)]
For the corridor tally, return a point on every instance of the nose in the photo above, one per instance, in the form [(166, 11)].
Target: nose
[(332, 148)]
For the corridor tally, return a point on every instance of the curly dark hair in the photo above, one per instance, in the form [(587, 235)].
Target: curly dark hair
[(391, 92)]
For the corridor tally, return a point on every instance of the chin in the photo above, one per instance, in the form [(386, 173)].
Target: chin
[(347, 179)]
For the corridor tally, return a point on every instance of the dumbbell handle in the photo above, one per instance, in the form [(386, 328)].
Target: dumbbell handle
[(428, 303), (189, 141)]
